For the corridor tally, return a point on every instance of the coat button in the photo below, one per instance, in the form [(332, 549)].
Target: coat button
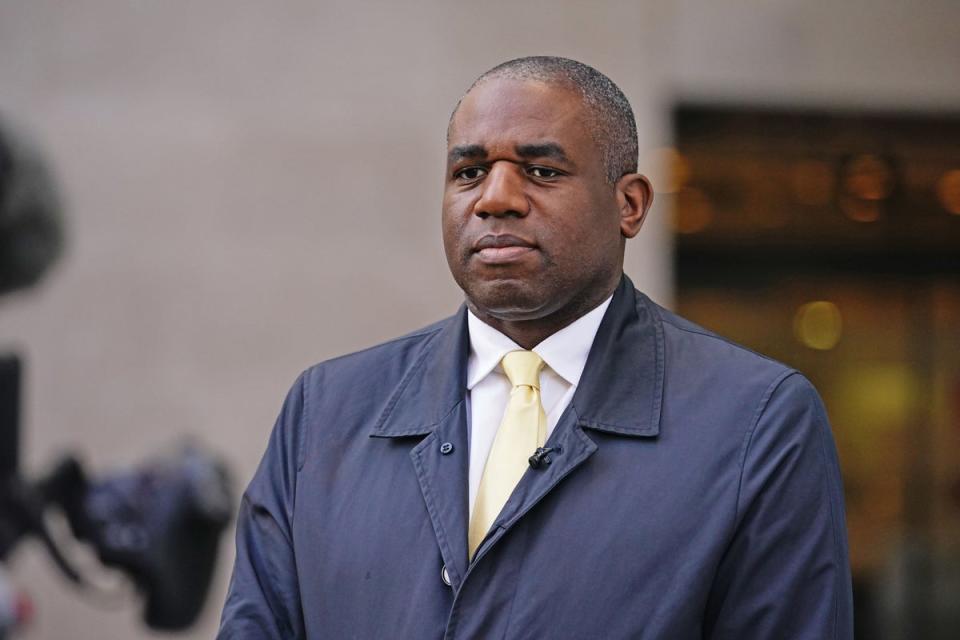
[(446, 448), (445, 575)]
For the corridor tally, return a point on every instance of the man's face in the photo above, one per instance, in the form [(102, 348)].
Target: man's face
[(531, 226)]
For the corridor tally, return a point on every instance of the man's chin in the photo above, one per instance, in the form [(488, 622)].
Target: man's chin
[(510, 301)]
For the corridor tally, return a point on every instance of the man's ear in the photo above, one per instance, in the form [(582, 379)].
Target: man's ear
[(634, 196)]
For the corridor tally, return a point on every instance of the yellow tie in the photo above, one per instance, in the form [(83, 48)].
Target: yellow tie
[(522, 430)]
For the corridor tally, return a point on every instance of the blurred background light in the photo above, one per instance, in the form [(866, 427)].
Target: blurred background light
[(869, 177), (693, 212), (860, 210), (948, 190), (818, 325)]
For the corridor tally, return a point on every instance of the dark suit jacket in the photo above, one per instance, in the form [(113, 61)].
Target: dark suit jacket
[(696, 495)]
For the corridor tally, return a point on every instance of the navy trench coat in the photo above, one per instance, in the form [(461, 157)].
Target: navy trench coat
[(696, 494)]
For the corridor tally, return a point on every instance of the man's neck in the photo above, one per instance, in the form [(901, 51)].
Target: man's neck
[(528, 333)]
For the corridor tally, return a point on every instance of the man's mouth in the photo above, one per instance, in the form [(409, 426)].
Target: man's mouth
[(499, 249)]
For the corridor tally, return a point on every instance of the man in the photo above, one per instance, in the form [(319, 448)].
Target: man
[(560, 459)]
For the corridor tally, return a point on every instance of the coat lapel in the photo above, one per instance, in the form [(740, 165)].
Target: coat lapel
[(431, 401)]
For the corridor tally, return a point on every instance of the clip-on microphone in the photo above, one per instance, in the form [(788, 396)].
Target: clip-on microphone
[(540, 457)]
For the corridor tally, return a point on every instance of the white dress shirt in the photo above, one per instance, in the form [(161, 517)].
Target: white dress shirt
[(488, 389)]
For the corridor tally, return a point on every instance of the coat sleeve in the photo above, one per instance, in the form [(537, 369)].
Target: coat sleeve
[(263, 600), (786, 572)]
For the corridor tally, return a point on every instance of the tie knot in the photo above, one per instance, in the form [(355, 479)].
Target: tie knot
[(523, 368)]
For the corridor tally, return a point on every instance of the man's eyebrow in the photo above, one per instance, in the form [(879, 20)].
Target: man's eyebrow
[(466, 152), (542, 150)]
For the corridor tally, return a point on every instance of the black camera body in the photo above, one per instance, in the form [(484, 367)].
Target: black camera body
[(159, 523)]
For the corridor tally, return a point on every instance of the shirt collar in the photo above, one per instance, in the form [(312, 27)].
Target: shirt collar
[(565, 351)]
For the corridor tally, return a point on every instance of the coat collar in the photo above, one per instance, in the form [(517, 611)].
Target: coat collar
[(433, 387), (620, 391)]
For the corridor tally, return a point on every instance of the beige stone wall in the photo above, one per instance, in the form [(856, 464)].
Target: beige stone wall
[(255, 186)]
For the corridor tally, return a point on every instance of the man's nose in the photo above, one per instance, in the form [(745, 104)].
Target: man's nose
[(503, 192)]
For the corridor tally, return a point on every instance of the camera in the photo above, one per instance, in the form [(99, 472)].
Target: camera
[(159, 523)]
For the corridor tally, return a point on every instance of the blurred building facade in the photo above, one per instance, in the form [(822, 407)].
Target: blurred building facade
[(254, 187)]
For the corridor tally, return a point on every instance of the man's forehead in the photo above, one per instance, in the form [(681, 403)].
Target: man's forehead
[(533, 108)]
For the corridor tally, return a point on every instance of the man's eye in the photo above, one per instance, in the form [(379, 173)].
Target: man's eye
[(543, 172), (470, 173)]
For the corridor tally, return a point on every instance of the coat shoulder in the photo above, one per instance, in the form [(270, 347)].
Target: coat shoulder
[(694, 349), (378, 363)]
